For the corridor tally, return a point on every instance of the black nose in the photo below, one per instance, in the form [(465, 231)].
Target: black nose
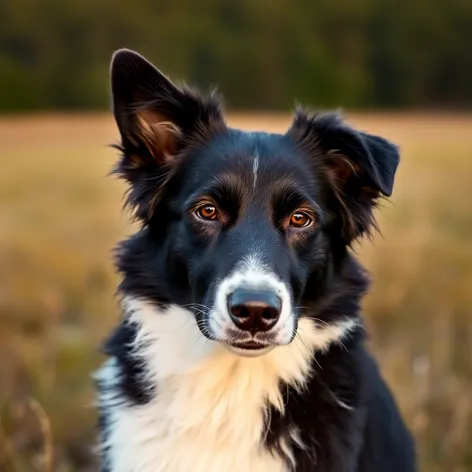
[(254, 310)]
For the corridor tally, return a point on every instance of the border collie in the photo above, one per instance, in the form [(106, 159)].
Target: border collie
[(241, 345)]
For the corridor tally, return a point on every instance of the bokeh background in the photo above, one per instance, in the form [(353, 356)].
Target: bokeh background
[(401, 68)]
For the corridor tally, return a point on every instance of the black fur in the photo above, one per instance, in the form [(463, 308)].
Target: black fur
[(132, 380), (346, 415)]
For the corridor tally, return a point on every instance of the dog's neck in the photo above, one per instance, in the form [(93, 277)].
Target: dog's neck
[(196, 393)]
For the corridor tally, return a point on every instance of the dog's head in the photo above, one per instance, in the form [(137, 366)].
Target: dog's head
[(241, 227)]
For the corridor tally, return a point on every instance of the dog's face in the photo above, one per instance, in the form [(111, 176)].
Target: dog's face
[(247, 230)]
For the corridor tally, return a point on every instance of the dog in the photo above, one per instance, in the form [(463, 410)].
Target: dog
[(241, 345)]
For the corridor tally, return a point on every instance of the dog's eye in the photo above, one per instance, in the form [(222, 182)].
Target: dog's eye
[(299, 219), (207, 212)]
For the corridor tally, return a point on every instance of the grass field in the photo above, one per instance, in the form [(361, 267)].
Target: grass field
[(60, 217)]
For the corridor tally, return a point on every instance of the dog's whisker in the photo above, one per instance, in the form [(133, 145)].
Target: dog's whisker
[(308, 350), (191, 305)]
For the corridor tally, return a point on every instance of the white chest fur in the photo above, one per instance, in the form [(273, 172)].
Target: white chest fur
[(208, 410)]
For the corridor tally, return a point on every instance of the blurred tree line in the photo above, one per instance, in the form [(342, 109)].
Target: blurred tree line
[(262, 53)]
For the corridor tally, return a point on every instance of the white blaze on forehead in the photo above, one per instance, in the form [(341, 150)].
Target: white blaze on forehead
[(255, 167)]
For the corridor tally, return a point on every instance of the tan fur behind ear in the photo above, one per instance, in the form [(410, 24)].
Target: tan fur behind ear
[(340, 168), (159, 134)]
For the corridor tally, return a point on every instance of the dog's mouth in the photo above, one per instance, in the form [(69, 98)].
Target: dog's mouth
[(249, 348), (249, 345)]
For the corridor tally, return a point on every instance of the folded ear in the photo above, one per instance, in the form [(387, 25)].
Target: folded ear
[(359, 167), (157, 120)]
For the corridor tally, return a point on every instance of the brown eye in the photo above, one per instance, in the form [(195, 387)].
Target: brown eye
[(300, 220), (207, 212)]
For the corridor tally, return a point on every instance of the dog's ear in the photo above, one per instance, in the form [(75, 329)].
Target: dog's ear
[(157, 120), (360, 167)]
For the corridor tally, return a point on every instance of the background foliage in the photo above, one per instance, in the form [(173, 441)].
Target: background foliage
[(363, 53)]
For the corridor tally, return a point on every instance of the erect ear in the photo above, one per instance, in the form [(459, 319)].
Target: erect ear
[(359, 166), (157, 120)]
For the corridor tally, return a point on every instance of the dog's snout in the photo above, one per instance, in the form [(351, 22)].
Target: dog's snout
[(254, 310)]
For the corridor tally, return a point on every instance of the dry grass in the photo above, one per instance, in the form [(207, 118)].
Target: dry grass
[(59, 218)]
